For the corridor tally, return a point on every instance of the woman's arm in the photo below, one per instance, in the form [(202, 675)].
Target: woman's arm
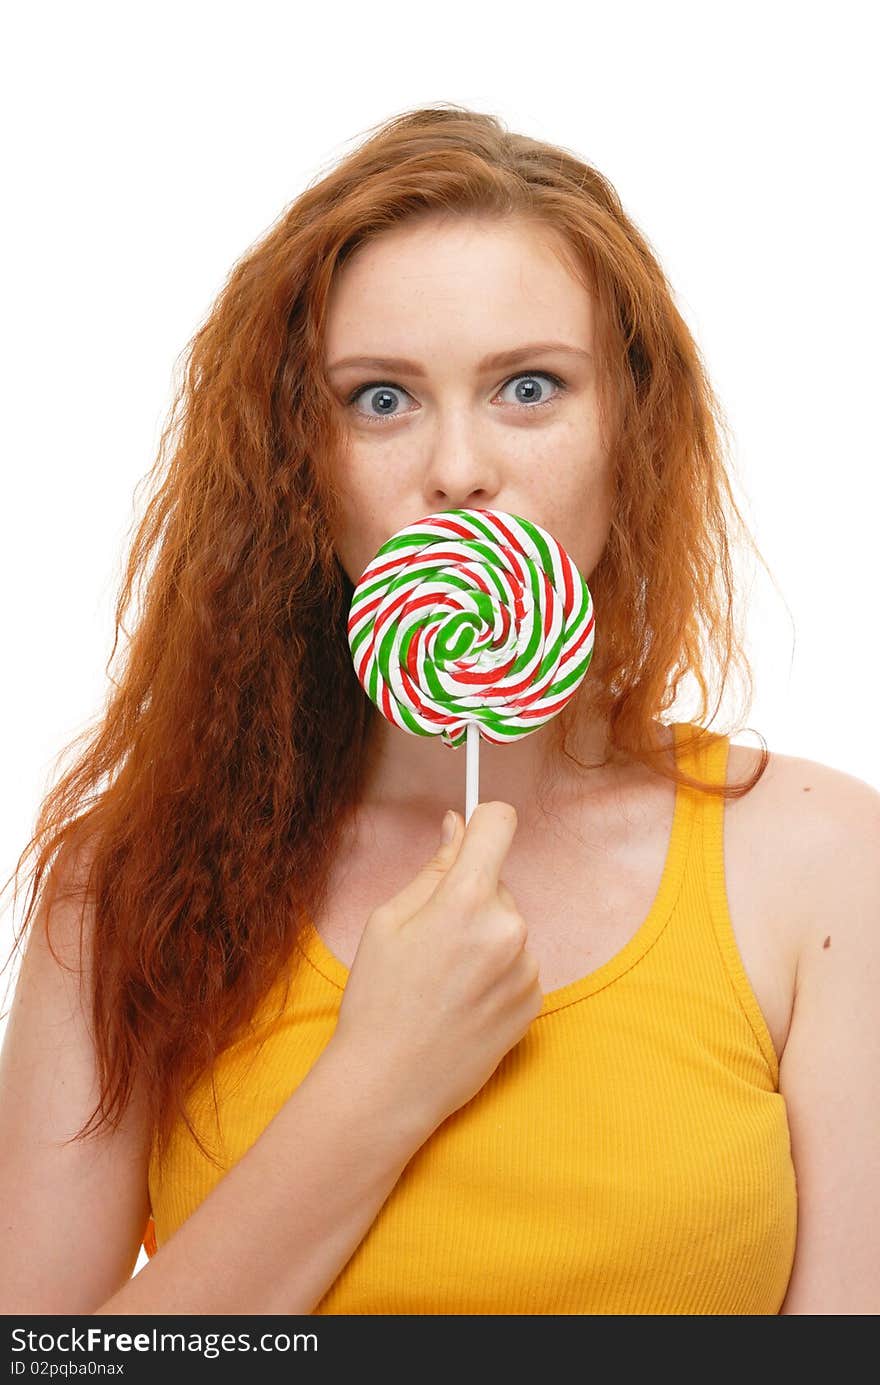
[(270, 1237), (277, 1229), (830, 1068)]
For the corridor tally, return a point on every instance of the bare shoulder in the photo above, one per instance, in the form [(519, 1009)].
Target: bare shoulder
[(794, 778), (812, 828), (822, 826)]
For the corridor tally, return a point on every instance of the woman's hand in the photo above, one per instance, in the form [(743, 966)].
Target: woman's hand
[(442, 985)]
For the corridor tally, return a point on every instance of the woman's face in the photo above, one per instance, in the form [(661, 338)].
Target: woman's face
[(447, 428)]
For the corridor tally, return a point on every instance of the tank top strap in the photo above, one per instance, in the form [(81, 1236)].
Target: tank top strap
[(700, 813), (706, 761)]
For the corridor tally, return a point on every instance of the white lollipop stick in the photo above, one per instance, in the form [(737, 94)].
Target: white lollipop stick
[(472, 770)]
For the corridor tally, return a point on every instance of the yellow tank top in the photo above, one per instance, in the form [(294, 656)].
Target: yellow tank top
[(630, 1155)]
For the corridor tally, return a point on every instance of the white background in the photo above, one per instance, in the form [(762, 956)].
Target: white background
[(148, 146)]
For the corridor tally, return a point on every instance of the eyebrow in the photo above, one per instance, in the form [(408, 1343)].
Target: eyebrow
[(497, 361)]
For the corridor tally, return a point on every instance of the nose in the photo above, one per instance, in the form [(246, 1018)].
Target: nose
[(461, 469)]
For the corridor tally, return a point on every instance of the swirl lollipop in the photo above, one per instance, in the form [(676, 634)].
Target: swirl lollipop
[(471, 623)]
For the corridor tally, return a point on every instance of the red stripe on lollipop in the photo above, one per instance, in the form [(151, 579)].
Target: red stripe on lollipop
[(550, 595), (573, 649), (498, 523), (429, 713), (487, 676), (362, 611), (386, 702), (372, 574), (454, 527), (412, 654)]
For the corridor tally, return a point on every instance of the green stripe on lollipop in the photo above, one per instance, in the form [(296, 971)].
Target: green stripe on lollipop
[(540, 543), (574, 676), (381, 583), (356, 640), (400, 541), (551, 656), (527, 655), (456, 636), (411, 722)]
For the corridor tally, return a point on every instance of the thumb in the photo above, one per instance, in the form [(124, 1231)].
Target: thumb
[(447, 847), (420, 889), (450, 837)]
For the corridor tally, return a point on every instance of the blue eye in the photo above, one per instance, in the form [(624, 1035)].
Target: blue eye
[(383, 393), (384, 390)]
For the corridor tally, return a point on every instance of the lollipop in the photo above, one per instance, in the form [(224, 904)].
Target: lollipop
[(471, 623)]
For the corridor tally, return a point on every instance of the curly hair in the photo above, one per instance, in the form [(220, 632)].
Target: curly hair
[(204, 806)]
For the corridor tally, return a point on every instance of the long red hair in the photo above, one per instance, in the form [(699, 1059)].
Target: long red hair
[(204, 807)]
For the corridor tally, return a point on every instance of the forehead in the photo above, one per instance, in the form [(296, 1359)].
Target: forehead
[(501, 275), (436, 245)]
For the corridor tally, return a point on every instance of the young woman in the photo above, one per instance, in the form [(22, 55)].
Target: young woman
[(605, 1050)]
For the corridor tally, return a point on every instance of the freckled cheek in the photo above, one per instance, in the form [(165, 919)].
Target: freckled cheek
[(578, 501), (362, 477), (576, 467), (367, 499)]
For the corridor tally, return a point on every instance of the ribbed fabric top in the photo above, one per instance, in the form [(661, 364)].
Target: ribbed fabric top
[(630, 1155)]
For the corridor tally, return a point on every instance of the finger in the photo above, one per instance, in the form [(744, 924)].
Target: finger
[(484, 846), (421, 888), (505, 896)]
